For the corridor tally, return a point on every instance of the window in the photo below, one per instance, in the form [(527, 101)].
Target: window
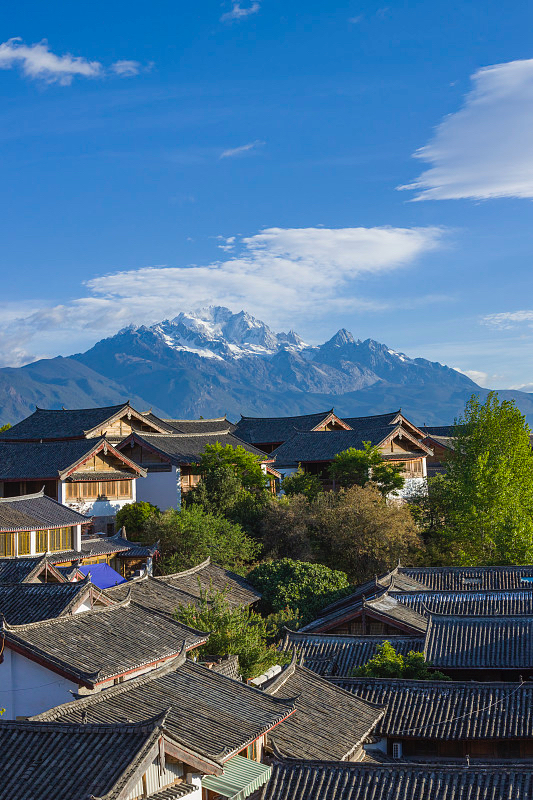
[(41, 541), (24, 543), (61, 539), (7, 544), (124, 488), (91, 490)]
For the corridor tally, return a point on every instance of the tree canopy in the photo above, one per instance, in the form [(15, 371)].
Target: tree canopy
[(355, 467), (301, 482), (234, 631), (133, 516), (481, 509), (189, 535), (299, 586), (387, 663)]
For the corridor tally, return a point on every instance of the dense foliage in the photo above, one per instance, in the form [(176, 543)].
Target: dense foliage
[(234, 631), (387, 663), (355, 467), (133, 516), (189, 535), (5, 427), (301, 482), (298, 586), (355, 529), (481, 510)]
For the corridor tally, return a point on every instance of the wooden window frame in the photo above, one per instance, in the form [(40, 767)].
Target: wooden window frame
[(24, 543)]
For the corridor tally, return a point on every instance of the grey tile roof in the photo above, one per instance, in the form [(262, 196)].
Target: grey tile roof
[(21, 570), (93, 646), (487, 603), (206, 575), (375, 419), (152, 593), (312, 780), (187, 448), (447, 710), (36, 512), (217, 425), (70, 423), (334, 655), (469, 578), (212, 715), (36, 461), (328, 723), (389, 608), (47, 761), (439, 430), (324, 445), (229, 667), (456, 642), (263, 430), (21, 603)]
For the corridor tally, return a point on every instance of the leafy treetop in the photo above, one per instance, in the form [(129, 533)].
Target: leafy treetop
[(355, 467), (133, 516), (387, 663), (301, 482)]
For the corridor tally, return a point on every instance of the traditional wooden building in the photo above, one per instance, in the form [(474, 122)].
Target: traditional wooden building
[(334, 780), (268, 433), (121, 761), (448, 719), (43, 663), (221, 724), (328, 723), (21, 603), (169, 461), (397, 439), (89, 476), (440, 438)]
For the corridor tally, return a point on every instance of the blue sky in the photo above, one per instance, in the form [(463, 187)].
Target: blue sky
[(159, 158)]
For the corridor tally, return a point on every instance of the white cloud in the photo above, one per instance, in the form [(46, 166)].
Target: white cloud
[(37, 61), (285, 276), (244, 148), (478, 376), (509, 319), (484, 150), (237, 12), (126, 69)]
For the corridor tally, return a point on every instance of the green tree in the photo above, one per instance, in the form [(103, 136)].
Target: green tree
[(387, 663), (232, 484), (298, 586), (301, 482), (189, 535), (234, 631), (133, 516), (481, 510), (355, 467), (5, 427)]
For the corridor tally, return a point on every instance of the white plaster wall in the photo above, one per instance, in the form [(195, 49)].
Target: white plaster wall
[(97, 508), (27, 688), (412, 487), (162, 489)]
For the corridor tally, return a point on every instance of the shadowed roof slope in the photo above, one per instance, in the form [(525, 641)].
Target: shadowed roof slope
[(480, 642), (94, 646), (217, 425), (488, 603), (211, 714), (47, 761), (36, 512), (328, 723), (447, 709), (336, 655), (315, 780), (187, 448)]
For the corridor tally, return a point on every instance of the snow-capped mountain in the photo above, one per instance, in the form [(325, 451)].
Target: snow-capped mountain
[(213, 362), (215, 332)]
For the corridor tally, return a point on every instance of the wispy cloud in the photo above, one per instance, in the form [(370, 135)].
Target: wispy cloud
[(239, 151), (238, 12), (484, 150), (319, 270), (478, 376), (506, 320), (126, 69), (37, 61)]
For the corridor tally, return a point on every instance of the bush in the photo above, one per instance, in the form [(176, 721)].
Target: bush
[(298, 586), (133, 516), (387, 663)]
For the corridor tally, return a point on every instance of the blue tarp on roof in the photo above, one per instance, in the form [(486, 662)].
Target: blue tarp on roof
[(102, 575)]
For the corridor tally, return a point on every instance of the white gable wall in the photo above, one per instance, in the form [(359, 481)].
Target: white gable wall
[(162, 489), (28, 688)]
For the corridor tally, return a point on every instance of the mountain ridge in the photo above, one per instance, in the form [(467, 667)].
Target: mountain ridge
[(213, 362)]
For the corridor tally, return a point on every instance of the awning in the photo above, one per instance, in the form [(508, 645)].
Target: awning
[(241, 777), (102, 575)]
